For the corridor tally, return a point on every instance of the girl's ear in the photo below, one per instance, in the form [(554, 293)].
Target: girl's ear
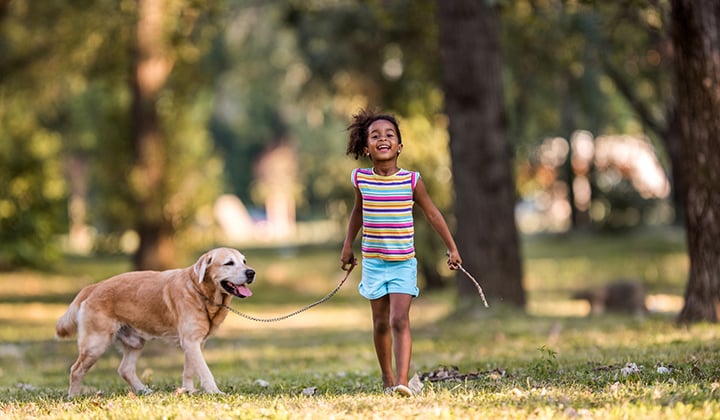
[(400, 147), (365, 151)]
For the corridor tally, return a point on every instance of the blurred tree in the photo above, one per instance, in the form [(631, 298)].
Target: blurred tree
[(697, 72), (68, 81), (256, 106), (553, 84), (32, 191), (173, 173), (151, 67), (634, 49), (41, 67), (597, 66), (481, 156)]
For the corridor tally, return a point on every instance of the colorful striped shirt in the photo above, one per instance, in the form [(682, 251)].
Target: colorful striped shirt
[(388, 227)]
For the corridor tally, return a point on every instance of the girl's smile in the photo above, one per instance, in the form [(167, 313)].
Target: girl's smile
[(382, 142)]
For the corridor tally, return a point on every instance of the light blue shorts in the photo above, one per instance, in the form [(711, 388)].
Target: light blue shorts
[(380, 277)]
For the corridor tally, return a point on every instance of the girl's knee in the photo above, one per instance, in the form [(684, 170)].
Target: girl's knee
[(381, 325), (400, 322)]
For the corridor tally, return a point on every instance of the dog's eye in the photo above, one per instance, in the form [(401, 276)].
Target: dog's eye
[(231, 262)]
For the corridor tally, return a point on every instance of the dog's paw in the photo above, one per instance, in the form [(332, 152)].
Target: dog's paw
[(141, 391), (145, 391)]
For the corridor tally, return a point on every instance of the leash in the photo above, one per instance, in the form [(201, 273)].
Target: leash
[(327, 297), (283, 317)]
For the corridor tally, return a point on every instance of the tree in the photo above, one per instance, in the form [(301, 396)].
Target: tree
[(697, 72), (635, 52), (42, 70), (481, 156), (151, 66), (173, 172)]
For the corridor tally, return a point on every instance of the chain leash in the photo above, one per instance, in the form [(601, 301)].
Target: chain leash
[(327, 297), (283, 317)]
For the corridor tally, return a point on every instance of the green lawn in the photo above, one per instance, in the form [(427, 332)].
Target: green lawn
[(549, 362)]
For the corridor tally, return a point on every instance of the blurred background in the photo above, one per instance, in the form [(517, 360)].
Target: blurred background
[(157, 129)]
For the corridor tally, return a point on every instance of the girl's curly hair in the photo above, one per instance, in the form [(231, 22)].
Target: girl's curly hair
[(358, 129)]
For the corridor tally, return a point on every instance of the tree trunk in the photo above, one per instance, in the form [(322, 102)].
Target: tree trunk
[(672, 140), (151, 67), (481, 155), (696, 38)]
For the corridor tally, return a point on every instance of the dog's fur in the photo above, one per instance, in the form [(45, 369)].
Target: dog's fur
[(173, 305)]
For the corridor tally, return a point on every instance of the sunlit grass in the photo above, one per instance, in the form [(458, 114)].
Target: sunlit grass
[(549, 362)]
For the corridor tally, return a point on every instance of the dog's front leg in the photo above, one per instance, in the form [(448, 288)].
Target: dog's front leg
[(195, 365), (188, 378)]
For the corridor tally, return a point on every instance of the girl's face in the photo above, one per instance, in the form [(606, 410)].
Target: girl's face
[(382, 142)]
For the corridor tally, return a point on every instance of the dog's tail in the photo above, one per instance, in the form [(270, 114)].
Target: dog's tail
[(67, 325)]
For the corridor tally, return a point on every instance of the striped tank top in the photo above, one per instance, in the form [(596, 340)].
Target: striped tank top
[(388, 227)]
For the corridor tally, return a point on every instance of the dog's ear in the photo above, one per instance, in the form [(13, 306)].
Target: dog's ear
[(201, 265)]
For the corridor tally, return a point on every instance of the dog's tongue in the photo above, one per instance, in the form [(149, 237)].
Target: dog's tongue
[(243, 291)]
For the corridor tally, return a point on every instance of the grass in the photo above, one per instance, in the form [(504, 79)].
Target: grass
[(548, 362)]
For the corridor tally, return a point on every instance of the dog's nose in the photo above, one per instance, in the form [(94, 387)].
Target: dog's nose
[(250, 275)]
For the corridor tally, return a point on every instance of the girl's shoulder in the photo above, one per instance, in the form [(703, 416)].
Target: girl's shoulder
[(363, 171), (414, 175), (360, 172), (405, 172)]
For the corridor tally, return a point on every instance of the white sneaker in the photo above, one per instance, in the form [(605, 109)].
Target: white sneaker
[(402, 390)]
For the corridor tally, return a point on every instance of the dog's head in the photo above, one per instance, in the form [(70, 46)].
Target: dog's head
[(228, 269)]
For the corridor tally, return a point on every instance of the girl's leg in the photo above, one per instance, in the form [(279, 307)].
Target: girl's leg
[(382, 338), (400, 325)]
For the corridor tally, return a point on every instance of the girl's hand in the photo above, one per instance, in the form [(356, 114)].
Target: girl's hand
[(454, 260), (348, 260)]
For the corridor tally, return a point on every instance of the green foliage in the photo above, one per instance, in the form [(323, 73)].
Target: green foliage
[(32, 191), (558, 57), (248, 75), (254, 92), (72, 77), (378, 52), (547, 365), (41, 71)]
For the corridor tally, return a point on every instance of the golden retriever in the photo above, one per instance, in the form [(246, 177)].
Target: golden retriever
[(181, 306)]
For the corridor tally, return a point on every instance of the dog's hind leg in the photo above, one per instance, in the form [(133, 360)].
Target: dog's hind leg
[(127, 370), (90, 348), (132, 346)]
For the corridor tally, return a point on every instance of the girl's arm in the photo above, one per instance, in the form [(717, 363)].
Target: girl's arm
[(347, 258), (437, 221)]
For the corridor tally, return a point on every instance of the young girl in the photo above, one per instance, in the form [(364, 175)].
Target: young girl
[(384, 197)]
